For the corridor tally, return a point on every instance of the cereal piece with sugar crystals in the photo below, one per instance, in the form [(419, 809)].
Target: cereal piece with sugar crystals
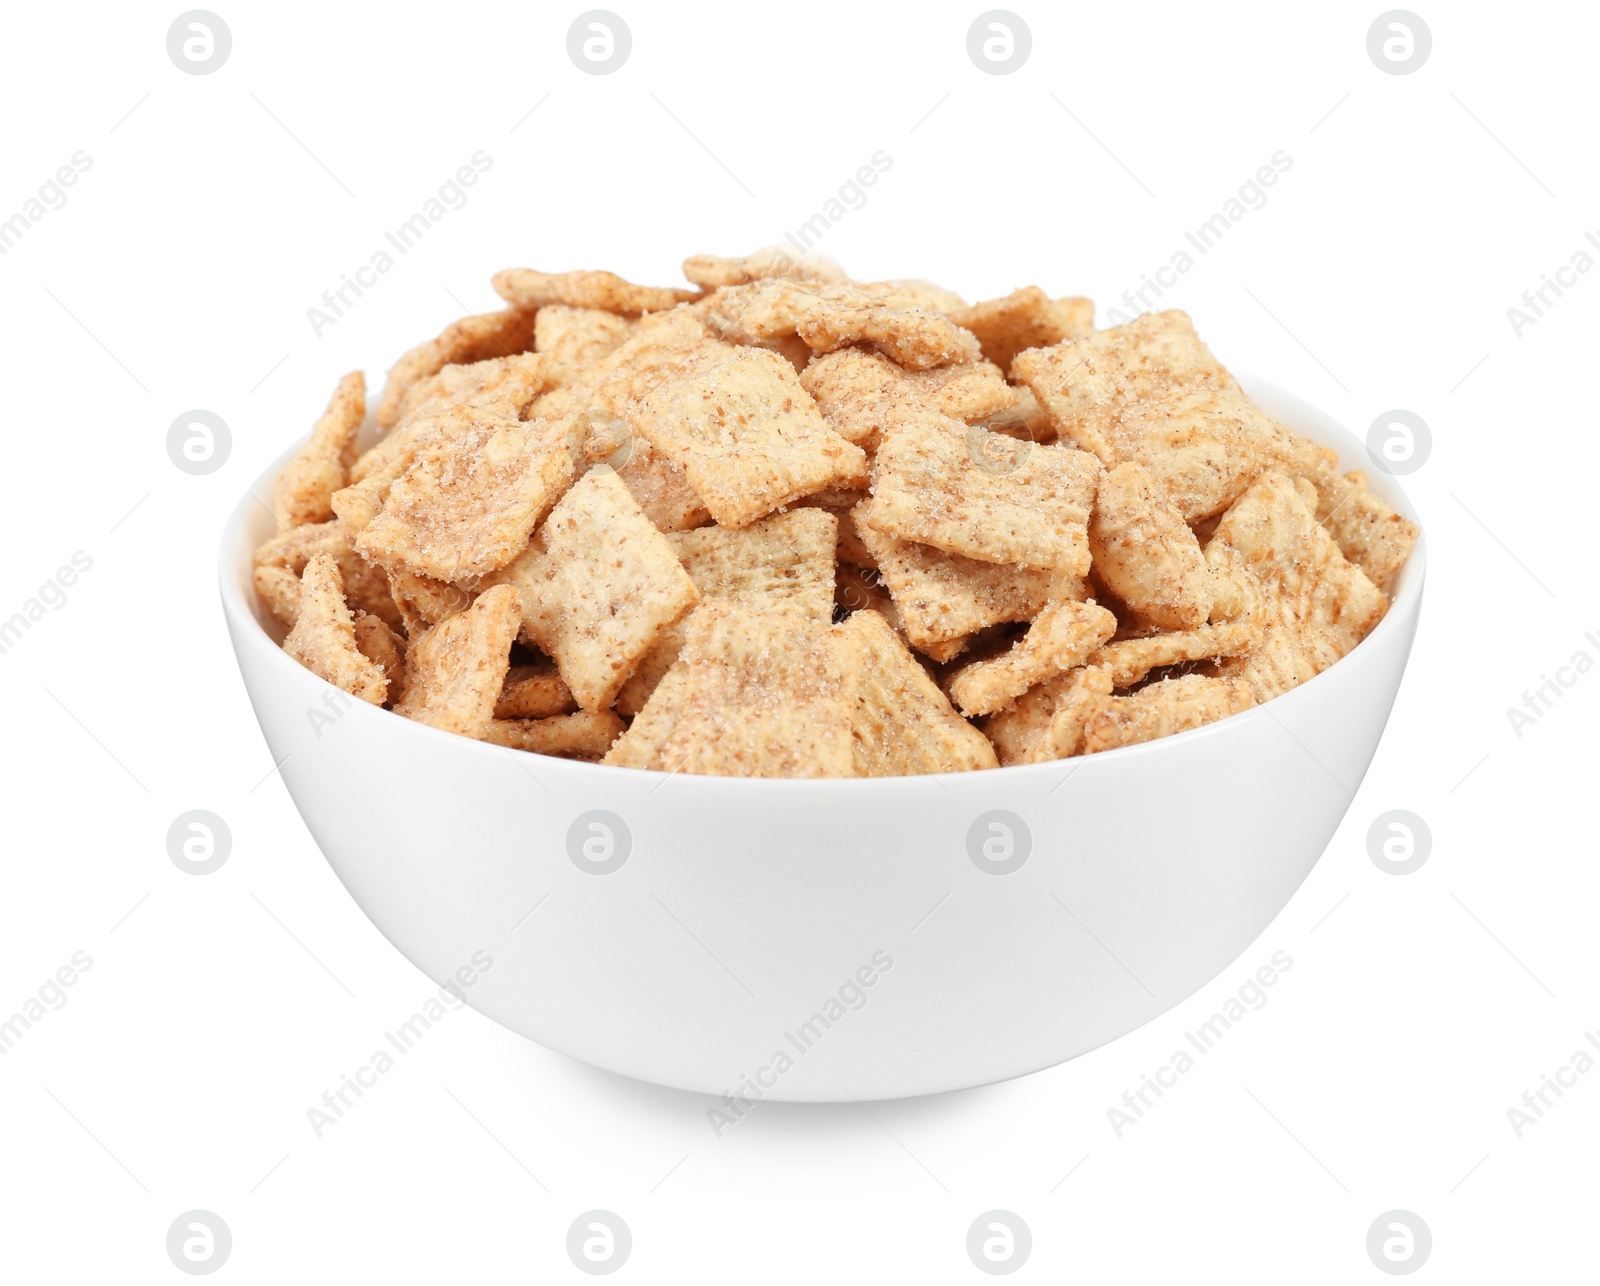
[(902, 724), (365, 586), (1144, 552), (467, 505), (588, 734), (711, 271), (1026, 318), (324, 638), (472, 339), (640, 746), (606, 586), (1367, 530), (931, 485), (748, 437), (765, 696), (525, 288), (1152, 392), (305, 488), (574, 339), (378, 643), (455, 671), (1269, 550), (857, 391), (781, 563), (533, 692), (1164, 708), (1129, 660), (1062, 636), (943, 597)]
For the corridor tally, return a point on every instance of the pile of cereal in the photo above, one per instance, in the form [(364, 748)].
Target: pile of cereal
[(786, 524)]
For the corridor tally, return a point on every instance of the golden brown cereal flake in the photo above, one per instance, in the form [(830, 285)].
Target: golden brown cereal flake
[(857, 392), (468, 504), (1026, 318), (746, 434), (1151, 392), (764, 696), (525, 288), (782, 563), (1062, 636), (936, 483), (1130, 660), (606, 586), (640, 746), (573, 339), (423, 602), (534, 692), (902, 725), (944, 597), (1172, 705), (892, 317), (711, 271), (305, 487), (588, 734), (662, 488), (1367, 530), (366, 587), (324, 639), (455, 671), (1269, 550), (1145, 554), (505, 385), (472, 339), (378, 643)]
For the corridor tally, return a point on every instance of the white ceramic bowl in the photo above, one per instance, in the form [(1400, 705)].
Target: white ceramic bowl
[(707, 959)]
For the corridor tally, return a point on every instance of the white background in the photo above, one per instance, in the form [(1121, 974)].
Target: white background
[(218, 208)]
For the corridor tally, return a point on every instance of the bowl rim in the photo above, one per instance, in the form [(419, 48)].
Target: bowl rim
[(1405, 595)]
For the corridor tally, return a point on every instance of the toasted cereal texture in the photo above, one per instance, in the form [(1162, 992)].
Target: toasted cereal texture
[(1130, 660), (423, 602), (525, 288), (944, 597), (661, 346), (588, 734), (1083, 693), (915, 291), (1172, 705), (1144, 552), (894, 317), (573, 339), (606, 586), (378, 643), (765, 696), (279, 589), (902, 725), (936, 483), (1152, 392), (472, 339), (640, 746), (856, 391), (746, 434), (916, 338), (1269, 550), (305, 488), (1063, 635), (662, 488), (711, 271), (1026, 318), (505, 384), (324, 639), (1368, 532), (467, 505), (1018, 732), (376, 471), (455, 671), (366, 587), (533, 692), (782, 563)]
